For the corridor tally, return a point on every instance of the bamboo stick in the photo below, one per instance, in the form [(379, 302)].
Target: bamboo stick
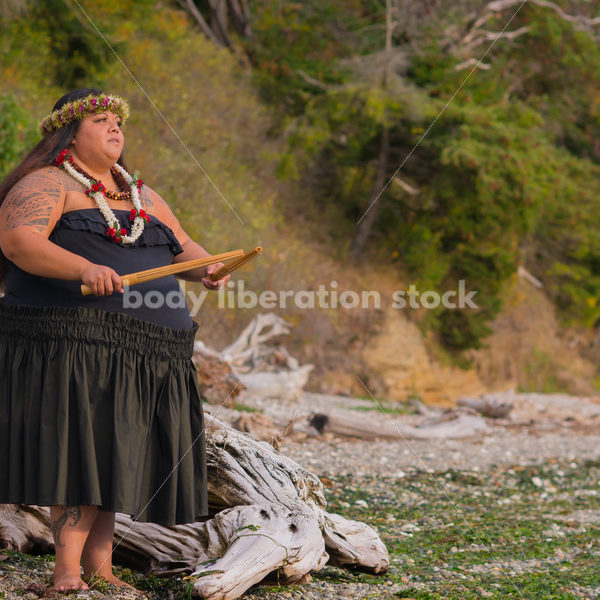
[(235, 264), (158, 272)]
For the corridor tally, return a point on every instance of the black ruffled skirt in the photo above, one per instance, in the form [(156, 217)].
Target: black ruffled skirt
[(100, 408)]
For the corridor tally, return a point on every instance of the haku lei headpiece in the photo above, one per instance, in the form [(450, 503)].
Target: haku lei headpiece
[(95, 190), (78, 109)]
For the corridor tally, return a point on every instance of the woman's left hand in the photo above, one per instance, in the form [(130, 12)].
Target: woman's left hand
[(215, 285)]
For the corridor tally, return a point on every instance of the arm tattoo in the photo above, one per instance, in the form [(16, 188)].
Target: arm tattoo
[(68, 183), (146, 200), (32, 200), (73, 512)]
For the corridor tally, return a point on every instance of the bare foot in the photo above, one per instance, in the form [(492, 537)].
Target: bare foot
[(118, 582), (112, 579), (69, 581)]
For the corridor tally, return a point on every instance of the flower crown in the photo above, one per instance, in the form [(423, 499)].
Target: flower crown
[(78, 109)]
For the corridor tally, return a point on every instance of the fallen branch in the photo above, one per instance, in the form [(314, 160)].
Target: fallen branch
[(475, 35), (488, 406), (264, 370), (451, 425)]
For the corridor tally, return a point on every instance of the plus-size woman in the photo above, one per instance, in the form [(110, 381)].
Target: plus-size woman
[(99, 404)]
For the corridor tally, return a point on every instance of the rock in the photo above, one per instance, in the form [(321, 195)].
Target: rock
[(399, 356), (217, 382), (260, 426)]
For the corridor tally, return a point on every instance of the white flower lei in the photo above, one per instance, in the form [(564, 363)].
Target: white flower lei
[(111, 219)]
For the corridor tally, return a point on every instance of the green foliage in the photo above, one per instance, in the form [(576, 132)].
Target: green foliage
[(17, 133), (246, 408), (75, 53), (296, 43), (428, 68), (344, 125), (499, 174), (214, 158), (482, 197)]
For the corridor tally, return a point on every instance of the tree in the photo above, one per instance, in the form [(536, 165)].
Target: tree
[(220, 14), (365, 223)]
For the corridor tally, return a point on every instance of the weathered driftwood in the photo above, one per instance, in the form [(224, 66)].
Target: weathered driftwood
[(284, 385), (250, 352), (266, 371), (453, 424), (488, 405), (270, 517), (239, 547), (25, 529)]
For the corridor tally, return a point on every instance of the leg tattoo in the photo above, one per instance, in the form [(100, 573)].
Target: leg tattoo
[(73, 512)]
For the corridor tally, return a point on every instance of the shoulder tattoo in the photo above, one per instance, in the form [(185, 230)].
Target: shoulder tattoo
[(32, 200), (146, 199), (68, 183)]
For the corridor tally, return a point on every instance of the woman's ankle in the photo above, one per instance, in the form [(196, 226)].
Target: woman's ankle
[(68, 577), (70, 528), (96, 556)]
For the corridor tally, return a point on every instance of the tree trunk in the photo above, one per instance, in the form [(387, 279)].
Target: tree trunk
[(219, 14), (193, 10), (240, 18), (366, 222), (218, 21), (365, 225)]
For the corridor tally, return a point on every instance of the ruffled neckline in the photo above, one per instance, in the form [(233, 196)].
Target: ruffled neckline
[(156, 233)]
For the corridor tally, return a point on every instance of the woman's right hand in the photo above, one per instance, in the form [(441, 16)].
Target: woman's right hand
[(103, 281)]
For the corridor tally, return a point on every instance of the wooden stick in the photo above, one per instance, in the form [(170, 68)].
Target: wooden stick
[(158, 272), (235, 264)]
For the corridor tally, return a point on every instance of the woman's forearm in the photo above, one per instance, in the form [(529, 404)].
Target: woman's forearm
[(192, 251), (37, 255)]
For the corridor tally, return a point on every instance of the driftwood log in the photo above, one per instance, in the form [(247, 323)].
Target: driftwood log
[(453, 424), (252, 363), (269, 516), (489, 405)]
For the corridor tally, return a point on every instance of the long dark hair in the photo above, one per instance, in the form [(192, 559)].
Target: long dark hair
[(44, 154)]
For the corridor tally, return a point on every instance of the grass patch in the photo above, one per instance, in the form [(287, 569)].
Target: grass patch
[(387, 408), (246, 408)]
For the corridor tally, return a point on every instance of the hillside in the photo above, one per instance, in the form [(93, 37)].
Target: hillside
[(284, 140)]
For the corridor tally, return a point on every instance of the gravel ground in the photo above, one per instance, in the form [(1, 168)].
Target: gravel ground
[(393, 459), (540, 427)]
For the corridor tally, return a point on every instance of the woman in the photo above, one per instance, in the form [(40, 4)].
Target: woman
[(99, 405)]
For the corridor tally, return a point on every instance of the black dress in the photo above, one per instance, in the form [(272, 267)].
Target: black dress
[(99, 399)]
